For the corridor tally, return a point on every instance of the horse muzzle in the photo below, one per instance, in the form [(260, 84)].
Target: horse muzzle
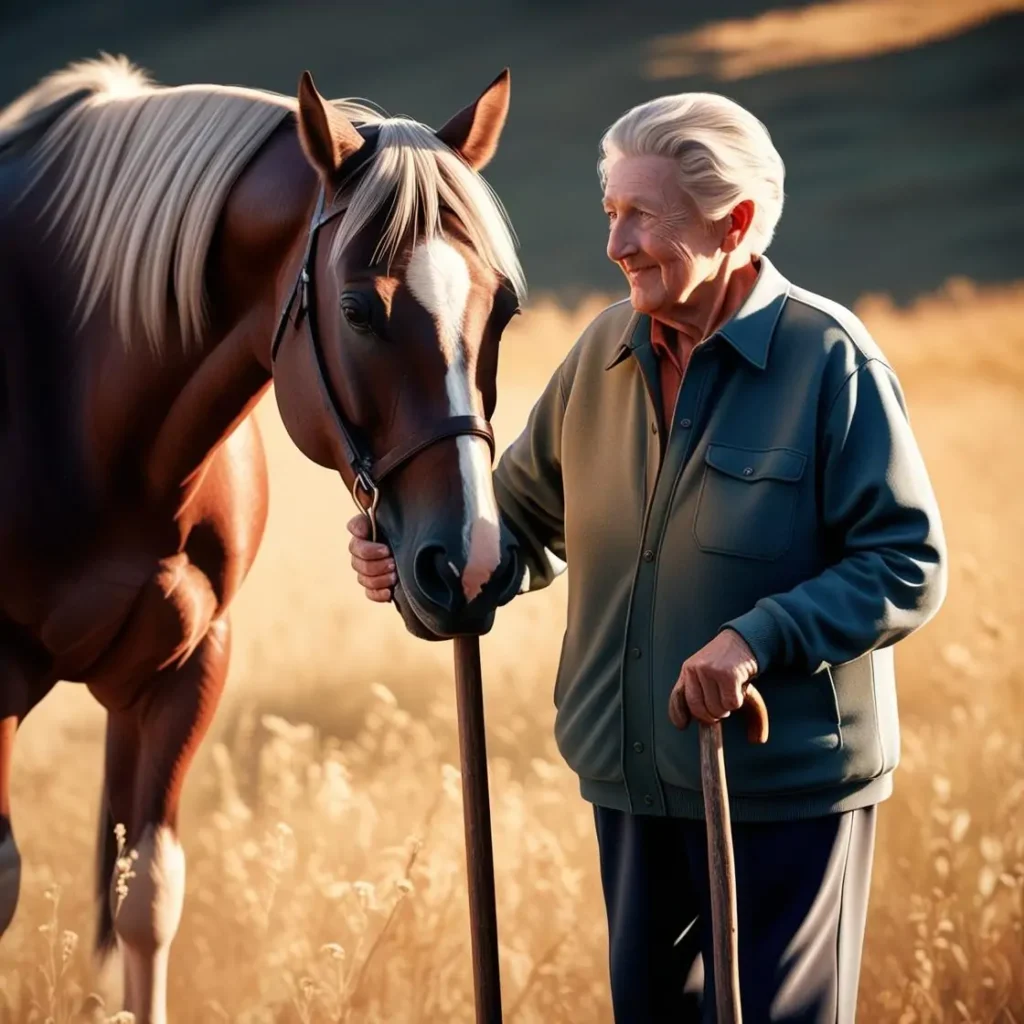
[(432, 593)]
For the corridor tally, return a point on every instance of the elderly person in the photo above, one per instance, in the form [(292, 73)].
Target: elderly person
[(725, 463)]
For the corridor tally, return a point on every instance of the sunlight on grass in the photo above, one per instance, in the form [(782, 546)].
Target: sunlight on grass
[(323, 828)]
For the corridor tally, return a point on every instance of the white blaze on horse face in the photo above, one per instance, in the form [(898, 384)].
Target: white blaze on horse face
[(439, 279)]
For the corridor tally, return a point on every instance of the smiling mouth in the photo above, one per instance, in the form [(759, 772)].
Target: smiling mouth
[(633, 271)]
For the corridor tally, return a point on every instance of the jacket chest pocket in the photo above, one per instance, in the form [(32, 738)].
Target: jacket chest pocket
[(748, 499)]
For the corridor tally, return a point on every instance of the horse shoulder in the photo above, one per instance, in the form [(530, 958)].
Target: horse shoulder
[(224, 515), (135, 604)]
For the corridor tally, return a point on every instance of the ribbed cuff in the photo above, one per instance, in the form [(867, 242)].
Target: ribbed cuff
[(769, 807), (762, 634)]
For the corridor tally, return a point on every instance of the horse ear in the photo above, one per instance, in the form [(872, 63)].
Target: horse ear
[(474, 131), (328, 137)]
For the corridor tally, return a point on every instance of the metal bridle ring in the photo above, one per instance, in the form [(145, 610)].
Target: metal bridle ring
[(373, 492)]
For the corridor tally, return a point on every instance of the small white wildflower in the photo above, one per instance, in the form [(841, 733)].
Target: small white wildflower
[(987, 879), (383, 694), (960, 824), (991, 849), (123, 873), (960, 957)]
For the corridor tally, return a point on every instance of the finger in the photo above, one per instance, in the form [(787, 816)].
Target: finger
[(678, 714), (380, 596), (695, 700), (711, 690), (731, 695), (373, 567), (368, 549), (358, 526), (686, 680), (377, 582)]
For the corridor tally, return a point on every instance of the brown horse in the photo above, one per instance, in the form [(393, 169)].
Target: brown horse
[(166, 254)]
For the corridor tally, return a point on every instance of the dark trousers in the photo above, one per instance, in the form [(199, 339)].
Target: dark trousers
[(802, 896)]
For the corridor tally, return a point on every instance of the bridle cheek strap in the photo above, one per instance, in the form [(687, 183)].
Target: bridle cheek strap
[(368, 473)]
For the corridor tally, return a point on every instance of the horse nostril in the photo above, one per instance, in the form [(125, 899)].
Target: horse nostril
[(507, 579), (436, 579)]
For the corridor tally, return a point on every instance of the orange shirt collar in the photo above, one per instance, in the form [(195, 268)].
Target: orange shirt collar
[(665, 343)]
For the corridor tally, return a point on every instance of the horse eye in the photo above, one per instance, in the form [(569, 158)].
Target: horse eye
[(358, 313)]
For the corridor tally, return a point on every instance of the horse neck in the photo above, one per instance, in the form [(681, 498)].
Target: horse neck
[(259, 238), (85, 418)]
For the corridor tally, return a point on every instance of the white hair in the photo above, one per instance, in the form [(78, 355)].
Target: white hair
[(144, 171), (724, 153), (418, 175)]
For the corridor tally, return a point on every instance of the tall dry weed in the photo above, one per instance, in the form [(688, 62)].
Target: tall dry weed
[(326, 874)]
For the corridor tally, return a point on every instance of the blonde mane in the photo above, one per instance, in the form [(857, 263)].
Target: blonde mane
[(144, 172)]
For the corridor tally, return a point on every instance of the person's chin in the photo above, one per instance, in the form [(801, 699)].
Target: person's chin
[(643, 301)]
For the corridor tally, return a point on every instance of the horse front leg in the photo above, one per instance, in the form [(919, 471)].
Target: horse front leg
[(165, 729), (10, 858), (22, 685)]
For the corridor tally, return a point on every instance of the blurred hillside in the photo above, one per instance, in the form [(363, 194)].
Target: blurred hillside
[(904, 165)]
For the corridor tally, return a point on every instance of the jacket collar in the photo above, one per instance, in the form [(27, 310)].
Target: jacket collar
[(749, 330)]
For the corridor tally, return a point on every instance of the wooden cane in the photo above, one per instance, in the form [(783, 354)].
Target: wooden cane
[(721, 859), (483, 915)]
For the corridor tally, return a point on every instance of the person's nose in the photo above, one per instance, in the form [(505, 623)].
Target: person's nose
[(621, 244)]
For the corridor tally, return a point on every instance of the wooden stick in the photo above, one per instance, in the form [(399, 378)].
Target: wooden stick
[(721, 875), (483, 915)]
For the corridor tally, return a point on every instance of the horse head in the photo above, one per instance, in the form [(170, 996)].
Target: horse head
[(408, 280)]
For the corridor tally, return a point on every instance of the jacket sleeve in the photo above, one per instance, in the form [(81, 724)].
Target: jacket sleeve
[(881, 518), (528, 488)]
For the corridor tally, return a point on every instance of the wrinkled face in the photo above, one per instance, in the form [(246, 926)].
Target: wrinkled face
[(656, 235), (406, 348)]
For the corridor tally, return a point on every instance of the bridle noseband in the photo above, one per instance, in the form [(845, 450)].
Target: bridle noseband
[(368, 473)]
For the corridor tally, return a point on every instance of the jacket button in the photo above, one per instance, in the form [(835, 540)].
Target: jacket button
[(635, 652), (648, 555), (638, 747), (686, 423), (648, 799), (654, 428), (748, 470)]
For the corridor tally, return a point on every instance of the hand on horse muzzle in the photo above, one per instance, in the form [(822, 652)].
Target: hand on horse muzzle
[(429, 593)]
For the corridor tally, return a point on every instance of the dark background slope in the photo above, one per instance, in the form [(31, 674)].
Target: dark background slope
[(903, 169)]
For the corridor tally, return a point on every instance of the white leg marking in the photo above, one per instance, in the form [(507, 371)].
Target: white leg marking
[(148, 921), (439, 278)]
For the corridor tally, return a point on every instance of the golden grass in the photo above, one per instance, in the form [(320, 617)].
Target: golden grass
[(823, 33), (326, 862)]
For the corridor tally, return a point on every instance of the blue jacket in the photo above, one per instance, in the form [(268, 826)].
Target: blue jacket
[(789, 502)]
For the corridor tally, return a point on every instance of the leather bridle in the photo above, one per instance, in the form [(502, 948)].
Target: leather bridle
[(368, 473)]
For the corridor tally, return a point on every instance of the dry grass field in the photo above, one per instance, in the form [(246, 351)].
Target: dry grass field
[(323, 820)]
